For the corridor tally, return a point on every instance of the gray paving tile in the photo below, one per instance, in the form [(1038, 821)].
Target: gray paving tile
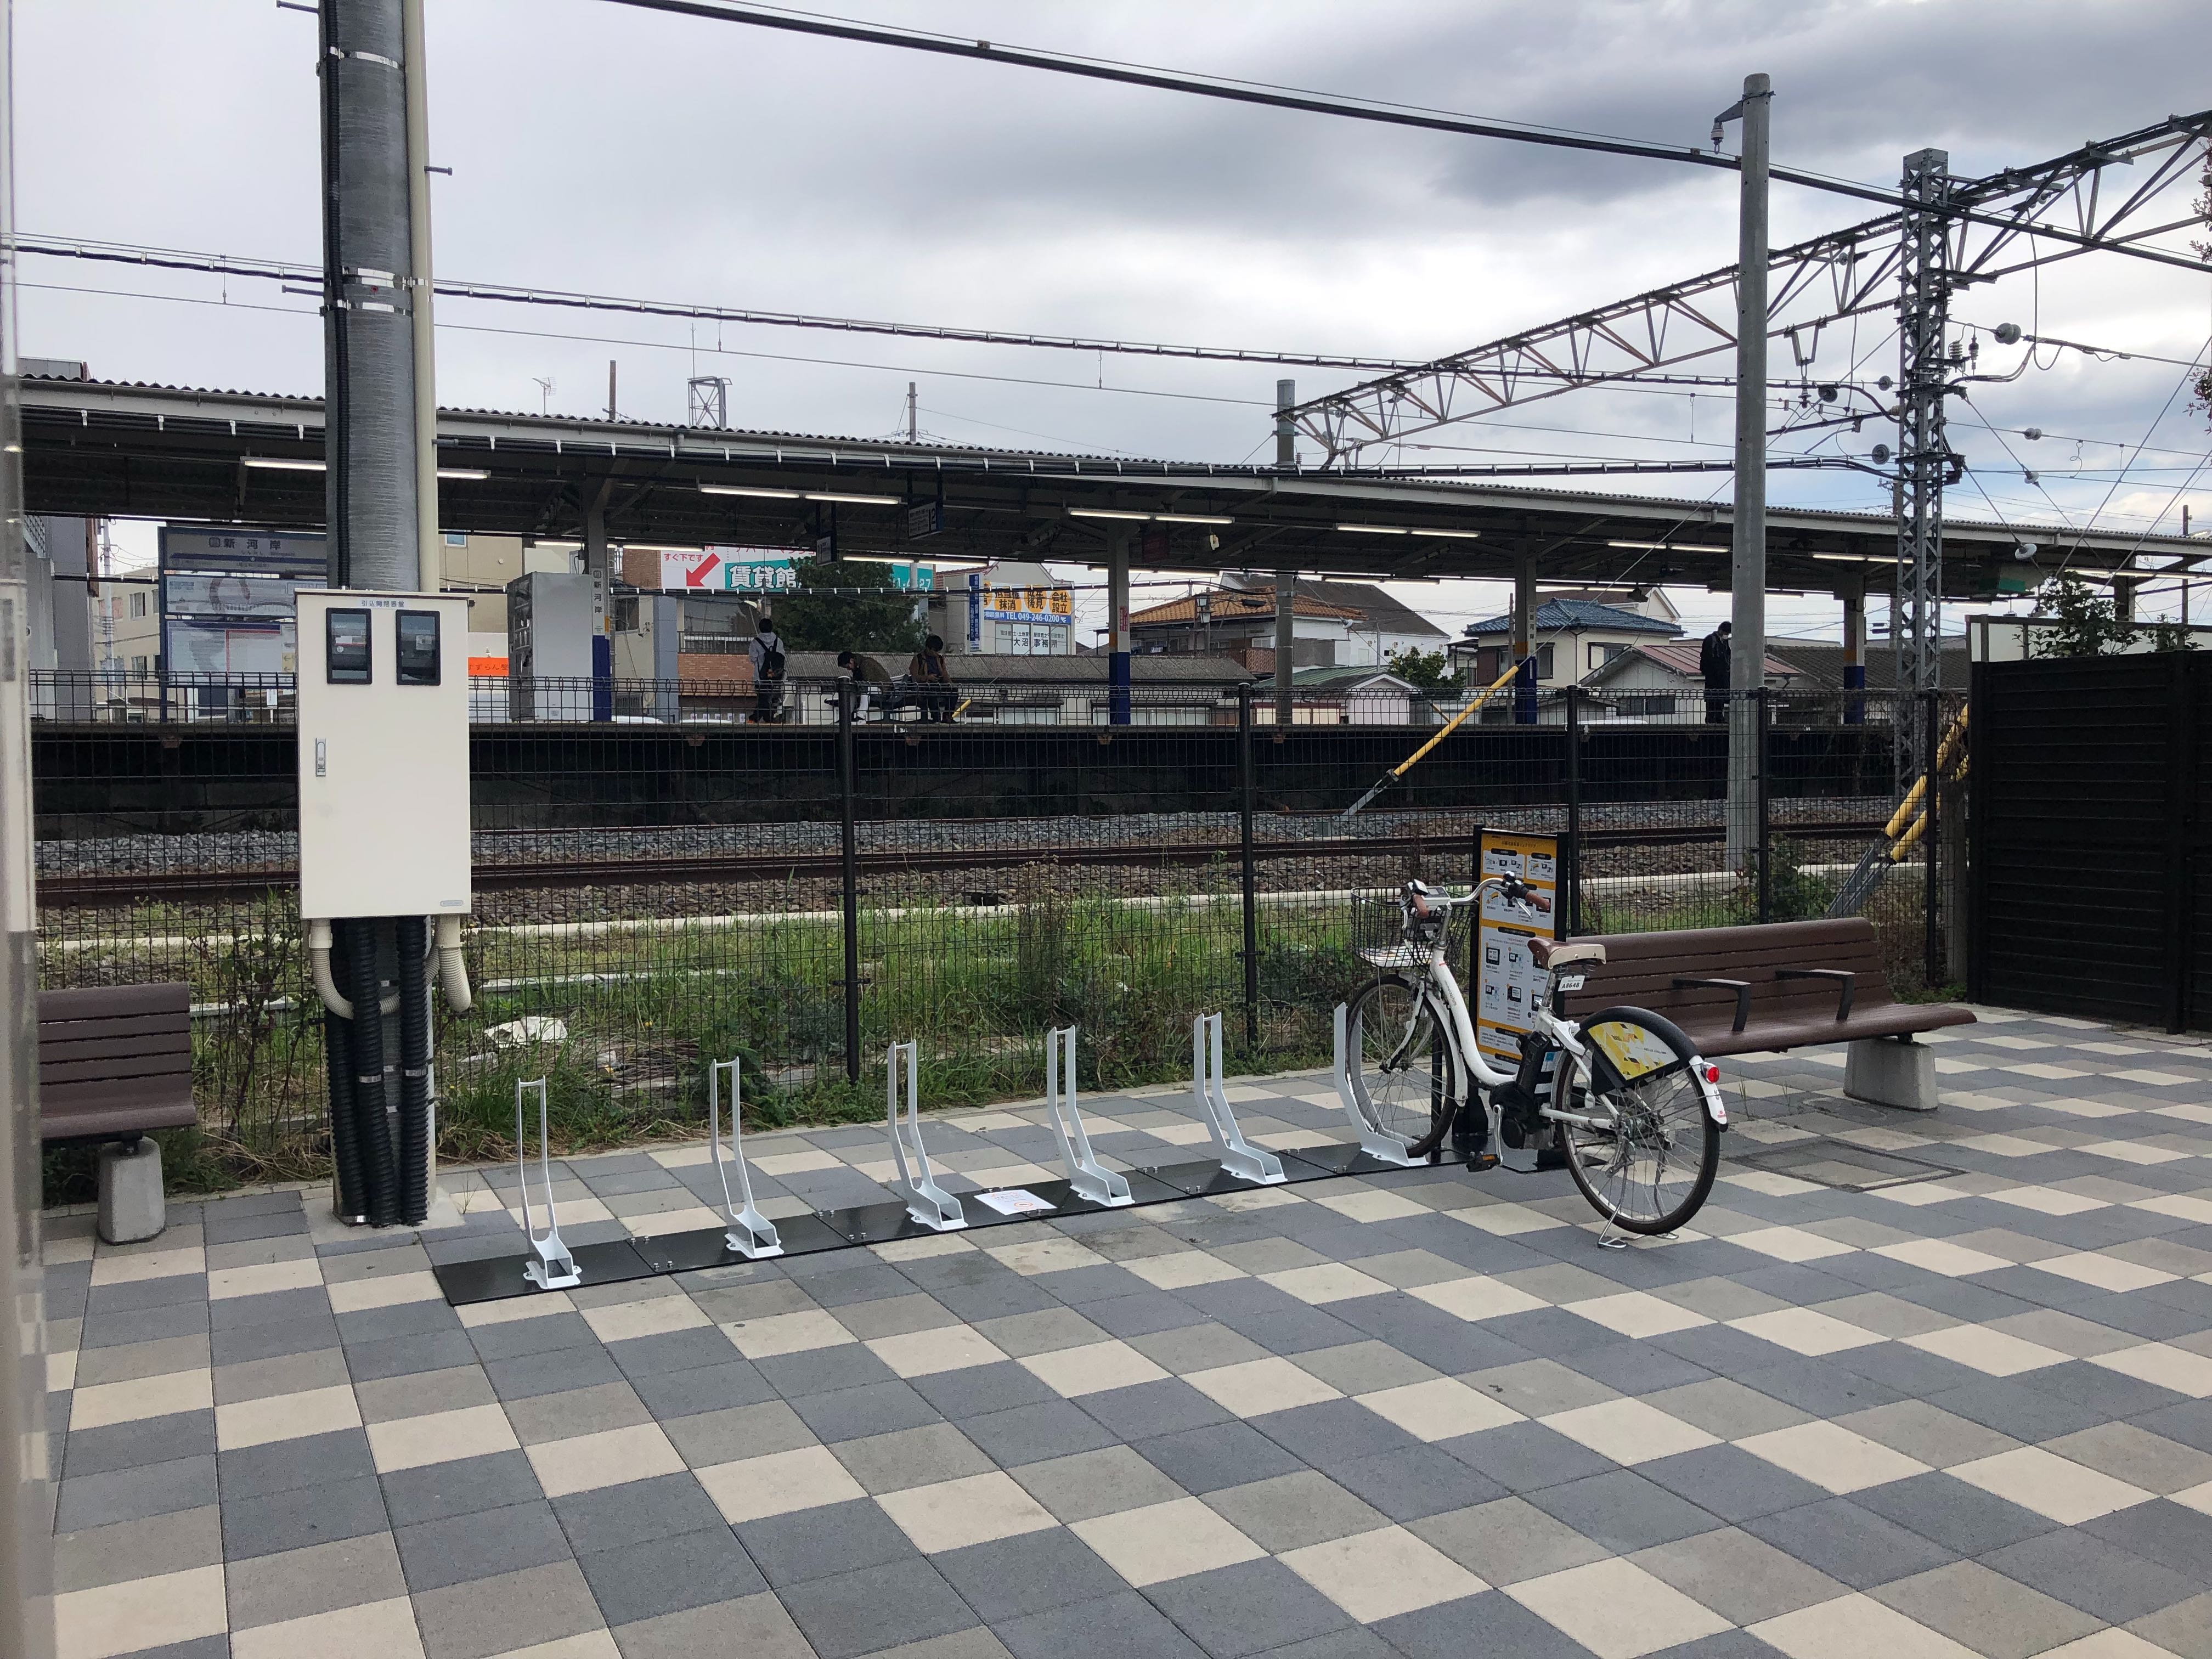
[(467, 1485), (100, 1500), (1215, 1455), (1961, 1518), (1847, 1542), (135, 1444), (876, 1608), (302, 1515), (486, 1616), (314, 1460), (659, 1575), (2169, 1535), (2115, 1584), (1443, 1631), (1741, 1577), (1035, 1572), (559, 1372), (1253, 1606), (488, 1544), (1413, 1483), (1623, 1510), (1729, 1482), (702, 1388), (633, 1512), (825, 1541), (823, 1371), (1126, 1624), (1525, 1457), (878, 1408), (974, 1390), (1150, 1408)]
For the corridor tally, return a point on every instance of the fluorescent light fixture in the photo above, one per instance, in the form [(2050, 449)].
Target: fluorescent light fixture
[(1855, 558), (272, 464), (1106, 513), (1588, 587), (735, 490), (1374, 530), (857, 500), (473, 473), (657, 547), (1671, 547), (1456, 535), (1189, 518)]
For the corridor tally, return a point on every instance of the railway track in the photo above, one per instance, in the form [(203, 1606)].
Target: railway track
[(188, 886)]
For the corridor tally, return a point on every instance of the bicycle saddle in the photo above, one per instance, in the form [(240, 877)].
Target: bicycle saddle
[(1566, 952)]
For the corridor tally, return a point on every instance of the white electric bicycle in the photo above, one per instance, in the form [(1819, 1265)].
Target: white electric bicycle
[(1635, 1110)]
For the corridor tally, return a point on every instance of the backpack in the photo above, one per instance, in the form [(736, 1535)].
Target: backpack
[(771, 663)]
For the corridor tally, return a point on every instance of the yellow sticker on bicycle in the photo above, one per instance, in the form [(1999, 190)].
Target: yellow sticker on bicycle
[(1634, 1049)]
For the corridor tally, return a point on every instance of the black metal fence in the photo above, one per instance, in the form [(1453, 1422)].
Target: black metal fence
[(650, 893)]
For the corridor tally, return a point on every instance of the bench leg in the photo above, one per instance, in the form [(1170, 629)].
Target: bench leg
[(1891, 1071), (130, 1203)]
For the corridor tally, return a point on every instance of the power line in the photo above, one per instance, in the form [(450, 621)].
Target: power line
[(1248, 91)]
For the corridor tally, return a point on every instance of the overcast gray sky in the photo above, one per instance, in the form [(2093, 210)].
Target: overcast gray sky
[(596, 147)]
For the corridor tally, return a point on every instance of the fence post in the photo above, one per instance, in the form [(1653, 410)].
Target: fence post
[(1765, 713), (1931, 860), (847, 789), (1247, 793), (1574, 848)]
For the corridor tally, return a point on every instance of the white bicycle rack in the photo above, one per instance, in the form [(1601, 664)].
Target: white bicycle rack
[(1088, 1177), (555, 1269), (1376, 1143), (929, 1204), (751, 1234), (1237, 1156)]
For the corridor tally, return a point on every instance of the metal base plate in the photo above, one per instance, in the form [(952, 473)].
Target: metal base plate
[(708, 1247), (1066, 1201), (497, 1278), (880, 1224), (1204, 1179), (1339, 1158)]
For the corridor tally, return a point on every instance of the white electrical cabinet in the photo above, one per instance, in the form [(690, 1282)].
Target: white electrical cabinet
[(384, 755)]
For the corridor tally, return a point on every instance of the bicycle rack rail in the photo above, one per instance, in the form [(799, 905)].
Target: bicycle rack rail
[(1376, 1142), (929, 1204), (1086, 1176), (554, 1268), (751, 1234), (1237, 1156)]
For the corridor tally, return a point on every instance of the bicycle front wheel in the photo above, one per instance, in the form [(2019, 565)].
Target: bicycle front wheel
[(1401, 1060), (1639, 1142)]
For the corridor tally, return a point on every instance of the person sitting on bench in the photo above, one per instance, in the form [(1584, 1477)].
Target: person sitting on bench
[(874, 682)]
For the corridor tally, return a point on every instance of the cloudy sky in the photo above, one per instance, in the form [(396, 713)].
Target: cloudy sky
[(598, 148)]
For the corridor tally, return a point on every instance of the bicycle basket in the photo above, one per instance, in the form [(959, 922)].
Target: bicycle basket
[(1383, 936)]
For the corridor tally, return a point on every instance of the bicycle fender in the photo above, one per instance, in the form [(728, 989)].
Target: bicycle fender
[(1705, 1073)]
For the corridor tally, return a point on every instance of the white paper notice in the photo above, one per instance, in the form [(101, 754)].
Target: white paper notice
[(1015, 1201)]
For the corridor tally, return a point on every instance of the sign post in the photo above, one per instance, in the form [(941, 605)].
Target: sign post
[(1507, 980)]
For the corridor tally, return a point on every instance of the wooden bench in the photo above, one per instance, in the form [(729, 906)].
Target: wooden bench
[(114, 1063), (1786, 985)]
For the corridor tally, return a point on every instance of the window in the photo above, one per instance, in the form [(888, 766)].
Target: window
[(625, 613), (138, 664), (138, 603), (456, 538), (1601, 653), (1543, 662)]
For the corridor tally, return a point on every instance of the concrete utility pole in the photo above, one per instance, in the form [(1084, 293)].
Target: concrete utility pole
[(1748, 564), (370, 486), (430, 542), (1286, 581), (1524, 637), (1117, 625), (912, 427)]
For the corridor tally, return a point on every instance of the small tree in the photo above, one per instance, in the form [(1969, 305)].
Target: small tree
[(881, 619), (2089, 625), (1430, 671)]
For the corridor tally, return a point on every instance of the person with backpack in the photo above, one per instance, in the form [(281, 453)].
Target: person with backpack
[(766, 650)]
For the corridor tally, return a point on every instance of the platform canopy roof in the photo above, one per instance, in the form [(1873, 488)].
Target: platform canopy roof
[(112, 448)]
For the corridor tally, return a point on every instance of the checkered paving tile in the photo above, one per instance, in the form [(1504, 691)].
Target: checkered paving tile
[(1935, 1385)]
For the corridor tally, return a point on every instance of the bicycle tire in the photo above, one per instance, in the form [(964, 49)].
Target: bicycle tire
[(1412, 1065), (1658, 1111)]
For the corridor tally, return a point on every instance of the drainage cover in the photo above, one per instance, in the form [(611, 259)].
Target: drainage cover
[(1828, 1163)]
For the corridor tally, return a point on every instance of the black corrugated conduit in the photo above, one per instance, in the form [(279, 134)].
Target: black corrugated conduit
[(369, 1075), (345, 1136), (414, 1072)]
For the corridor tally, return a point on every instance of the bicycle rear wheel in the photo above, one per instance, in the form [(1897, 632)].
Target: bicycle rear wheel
[(1646, 1150), (1400, 1061)]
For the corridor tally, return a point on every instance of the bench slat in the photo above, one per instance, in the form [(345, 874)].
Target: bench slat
[(107, 1001), (115, 1060), (114, 1068), (122, 1028)]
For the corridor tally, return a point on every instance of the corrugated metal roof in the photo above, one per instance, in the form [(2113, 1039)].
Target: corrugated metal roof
[(1573, 616), (1229, 604)]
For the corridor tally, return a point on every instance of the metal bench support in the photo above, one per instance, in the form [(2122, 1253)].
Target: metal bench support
[(1375, 1142), (1239, 1156), (1089, 1177), (929, 1204), (751, 1234), (554, 1269)]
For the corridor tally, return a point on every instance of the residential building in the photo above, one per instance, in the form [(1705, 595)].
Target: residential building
[(1573, 638), (1342, 696), (1334, 624), (1011, 608), (1660, 681)]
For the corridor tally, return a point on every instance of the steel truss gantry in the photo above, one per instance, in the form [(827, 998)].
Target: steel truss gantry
[(2058, 209)]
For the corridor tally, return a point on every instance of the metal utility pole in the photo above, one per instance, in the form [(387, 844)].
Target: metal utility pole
[(610, 390), (1286, 581), (913, 429), (1923, 454), (1748, 562), (371, 488)]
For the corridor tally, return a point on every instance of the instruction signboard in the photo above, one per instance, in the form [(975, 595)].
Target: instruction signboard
[(1506, 979)]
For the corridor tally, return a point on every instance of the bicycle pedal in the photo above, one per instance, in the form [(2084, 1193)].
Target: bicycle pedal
[(1481, 1161)]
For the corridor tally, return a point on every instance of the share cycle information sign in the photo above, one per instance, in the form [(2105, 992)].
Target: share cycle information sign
[(1506, 979)]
